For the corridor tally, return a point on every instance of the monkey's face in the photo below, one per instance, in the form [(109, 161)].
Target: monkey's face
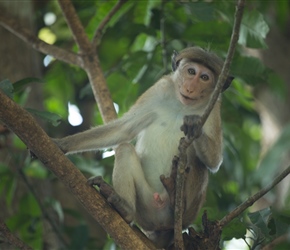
[(195, 83)]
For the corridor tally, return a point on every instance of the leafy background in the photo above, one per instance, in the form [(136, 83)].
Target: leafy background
[(135, 52)]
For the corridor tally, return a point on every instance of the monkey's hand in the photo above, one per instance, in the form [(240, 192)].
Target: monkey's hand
[(113, 198), (192, 126), (169, 182)]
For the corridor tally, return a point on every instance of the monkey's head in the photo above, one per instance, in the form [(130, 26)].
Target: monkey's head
[(202, 57)]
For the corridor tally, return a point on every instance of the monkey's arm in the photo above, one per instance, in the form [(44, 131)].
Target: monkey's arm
[(209, 151), (208, 144), (121, 130)]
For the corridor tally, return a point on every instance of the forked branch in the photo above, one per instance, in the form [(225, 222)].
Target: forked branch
[(11, 23), (100, 30)]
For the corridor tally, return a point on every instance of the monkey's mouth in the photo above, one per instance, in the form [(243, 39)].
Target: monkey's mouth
[(187, 98)]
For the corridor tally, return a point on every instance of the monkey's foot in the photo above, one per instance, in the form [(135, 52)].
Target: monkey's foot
[(113, 198), (169, 182), (105, 189)]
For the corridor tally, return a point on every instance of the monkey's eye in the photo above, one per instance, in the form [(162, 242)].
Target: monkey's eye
[(191, 71), (205, 77)]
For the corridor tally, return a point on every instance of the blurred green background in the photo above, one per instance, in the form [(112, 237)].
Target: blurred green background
[(135, 52)]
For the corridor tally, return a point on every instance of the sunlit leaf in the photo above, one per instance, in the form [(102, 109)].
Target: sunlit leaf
[(143, 11), (253, 30)]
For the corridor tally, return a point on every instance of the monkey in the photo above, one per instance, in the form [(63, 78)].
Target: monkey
[(177, 99)]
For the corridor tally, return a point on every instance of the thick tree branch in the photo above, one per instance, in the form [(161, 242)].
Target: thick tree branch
[(12, 239), (180, 179), (23, 124), (100, 88), (100, 30), (251, 200), (91, 62), (14, 26)]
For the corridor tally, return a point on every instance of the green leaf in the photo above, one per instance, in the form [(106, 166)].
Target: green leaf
[(7, 87), (261, 220), (54, 119), (235, 229), (19, 85), (250, 69), (143, 11), (10, 191), (253, 30), (29, 206), (201, 10)]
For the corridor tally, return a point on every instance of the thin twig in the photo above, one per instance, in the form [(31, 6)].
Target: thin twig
[(251, 200), (12, 239), (12, 24), (100, 30), (43, 209), (163, 38), (221, 80)]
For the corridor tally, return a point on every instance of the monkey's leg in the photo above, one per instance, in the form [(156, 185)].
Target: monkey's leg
[(128, 177), (113, 198)]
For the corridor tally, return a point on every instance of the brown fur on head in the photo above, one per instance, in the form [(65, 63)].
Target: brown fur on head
[(204, 57)]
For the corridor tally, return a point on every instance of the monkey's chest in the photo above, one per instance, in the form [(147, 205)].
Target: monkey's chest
[(156, 147)]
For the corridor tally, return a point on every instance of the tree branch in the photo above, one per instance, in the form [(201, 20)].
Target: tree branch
[(23, 125), (272, 245), (251, 200), (14, 26), (90, 61), (100, 30), (12, 239), (163, 37), (180, 179), (75, 26)]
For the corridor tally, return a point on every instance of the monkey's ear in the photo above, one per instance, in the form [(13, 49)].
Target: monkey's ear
[(174, 64), (227, 83)]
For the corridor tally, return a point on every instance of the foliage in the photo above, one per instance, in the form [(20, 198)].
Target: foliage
[(133, 57)]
